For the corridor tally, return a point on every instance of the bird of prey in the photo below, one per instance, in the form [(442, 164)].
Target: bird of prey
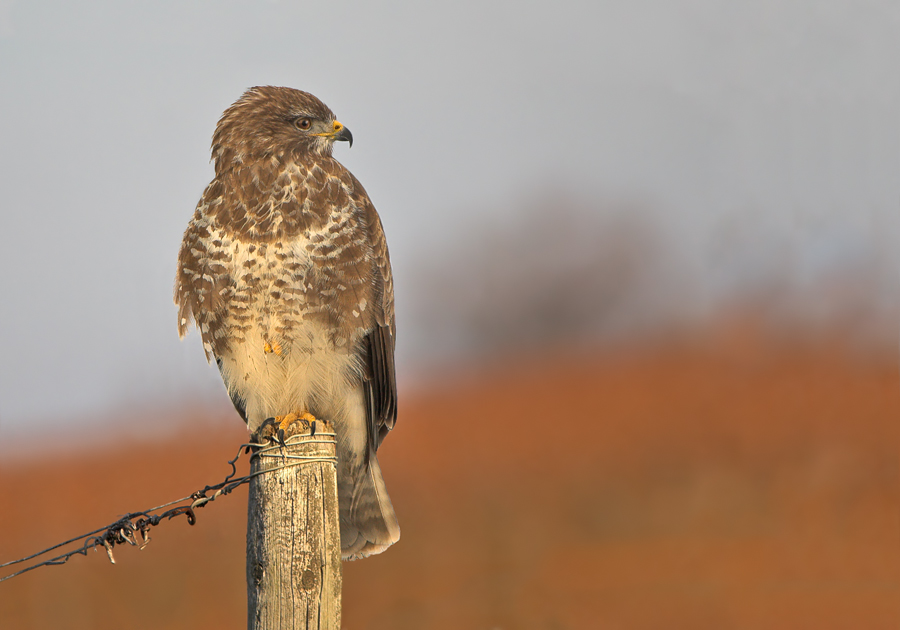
[(285, 270)]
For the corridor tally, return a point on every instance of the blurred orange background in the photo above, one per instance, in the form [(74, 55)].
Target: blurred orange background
[(645, 260), (735, 479)]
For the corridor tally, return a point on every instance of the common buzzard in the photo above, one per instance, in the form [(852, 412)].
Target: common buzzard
[(285, 270)]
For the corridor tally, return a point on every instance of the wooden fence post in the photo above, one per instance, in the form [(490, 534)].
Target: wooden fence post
[(293, 537)]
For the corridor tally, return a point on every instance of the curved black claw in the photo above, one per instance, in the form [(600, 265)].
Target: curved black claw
[(261, 434)]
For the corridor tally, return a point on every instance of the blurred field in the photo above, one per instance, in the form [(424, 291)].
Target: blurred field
[(735, 481)]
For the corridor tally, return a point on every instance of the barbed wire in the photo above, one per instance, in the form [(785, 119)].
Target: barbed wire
[(134, 527)]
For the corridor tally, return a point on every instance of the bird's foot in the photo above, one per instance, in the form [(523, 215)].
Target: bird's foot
[(285, 421), (281, 427), (272, 346)]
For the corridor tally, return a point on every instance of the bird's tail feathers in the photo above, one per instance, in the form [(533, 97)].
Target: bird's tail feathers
[(368, 523)]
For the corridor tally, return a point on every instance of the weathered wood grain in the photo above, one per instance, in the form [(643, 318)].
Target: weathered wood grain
[(293, 538)]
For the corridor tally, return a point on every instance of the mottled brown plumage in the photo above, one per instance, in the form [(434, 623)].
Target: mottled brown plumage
[(286, 251)]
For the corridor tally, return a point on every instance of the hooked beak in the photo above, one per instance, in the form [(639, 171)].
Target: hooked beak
[(340, 132)]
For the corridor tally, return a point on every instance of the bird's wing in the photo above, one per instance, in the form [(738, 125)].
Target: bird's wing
[(381, 381), (203, 281)]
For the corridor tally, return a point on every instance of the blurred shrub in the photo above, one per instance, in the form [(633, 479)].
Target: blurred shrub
[(555, 271)]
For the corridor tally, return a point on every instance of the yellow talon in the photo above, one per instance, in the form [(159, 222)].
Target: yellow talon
[(285, 421)]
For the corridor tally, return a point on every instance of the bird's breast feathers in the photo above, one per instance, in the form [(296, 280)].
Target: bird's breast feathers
[(278, 270), (284, 343)]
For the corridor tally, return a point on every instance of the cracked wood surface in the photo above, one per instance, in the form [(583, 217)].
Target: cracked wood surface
[(293, 540)]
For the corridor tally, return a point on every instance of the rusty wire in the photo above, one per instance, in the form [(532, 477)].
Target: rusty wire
[(134, 528)]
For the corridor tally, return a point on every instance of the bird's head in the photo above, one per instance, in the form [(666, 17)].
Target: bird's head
[(273, 122)]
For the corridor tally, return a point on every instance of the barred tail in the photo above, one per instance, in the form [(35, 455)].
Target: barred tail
[(368, 523)]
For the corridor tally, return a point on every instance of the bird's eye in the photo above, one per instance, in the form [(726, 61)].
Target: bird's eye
[(303, 123)]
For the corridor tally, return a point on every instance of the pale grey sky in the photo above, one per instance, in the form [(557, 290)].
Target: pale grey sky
[(764, 137)]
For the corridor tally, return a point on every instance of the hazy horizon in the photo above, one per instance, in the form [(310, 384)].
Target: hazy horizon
[(760, 145)]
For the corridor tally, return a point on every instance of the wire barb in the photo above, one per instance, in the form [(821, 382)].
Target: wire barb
[(136, 525)]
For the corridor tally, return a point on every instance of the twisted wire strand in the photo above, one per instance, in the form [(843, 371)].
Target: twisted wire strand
[(134, 527)]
